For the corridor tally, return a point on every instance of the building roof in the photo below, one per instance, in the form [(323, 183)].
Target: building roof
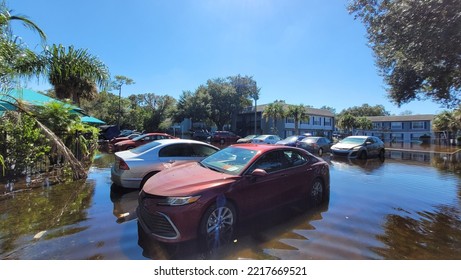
[(406, 118), (310, 110), (34, 98)]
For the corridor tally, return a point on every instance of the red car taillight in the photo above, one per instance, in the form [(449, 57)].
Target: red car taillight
[(122, 165)]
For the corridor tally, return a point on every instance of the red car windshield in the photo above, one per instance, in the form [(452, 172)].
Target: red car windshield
[(231, 160)]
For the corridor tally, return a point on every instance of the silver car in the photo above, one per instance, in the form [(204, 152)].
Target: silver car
[(266, 139), (133, 167), (361, 147)]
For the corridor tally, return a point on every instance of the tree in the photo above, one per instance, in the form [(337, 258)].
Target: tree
[(417, 45), (193, 105), (16, 60), (347, 122), (331, 109), (274, 111), (365, 110), (447, 123), (6, 18), (74, 73), (159, 108), (363, 123), (299, 113), (246, 88)]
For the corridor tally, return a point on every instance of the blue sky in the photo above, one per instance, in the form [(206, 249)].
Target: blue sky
[(309, 52)]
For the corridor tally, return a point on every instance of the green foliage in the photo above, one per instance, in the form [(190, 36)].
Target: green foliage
[(6, 18), (364, 123), (217, 101), (57, 117), (2, 164), (74, 73), (23, 144), (365, 110), (347, 122), (78, 137), (417, 45)]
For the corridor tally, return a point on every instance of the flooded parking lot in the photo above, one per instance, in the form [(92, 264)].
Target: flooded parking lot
[(405, 207)]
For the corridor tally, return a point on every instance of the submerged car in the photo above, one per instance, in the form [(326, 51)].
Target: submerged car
[(207, 199), (361, 147), (266, 139), (223, 137), (247, 139), (315, 144), (141, 140), (133, 167), (291, 140)]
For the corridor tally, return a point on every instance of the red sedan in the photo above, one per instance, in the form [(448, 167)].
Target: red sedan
[(140, 140), (208, 198)]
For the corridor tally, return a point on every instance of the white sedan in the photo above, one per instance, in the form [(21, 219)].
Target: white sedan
[(266, 139), (133, 167)]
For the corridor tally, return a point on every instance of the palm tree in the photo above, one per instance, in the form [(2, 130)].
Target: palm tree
[(6, 18), (15, 59), (74, 73), (299, 113), (274, 111)]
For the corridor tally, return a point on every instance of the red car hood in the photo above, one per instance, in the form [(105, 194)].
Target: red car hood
[(186, 179)]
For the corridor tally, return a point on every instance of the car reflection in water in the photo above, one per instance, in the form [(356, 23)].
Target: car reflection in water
[(366, 165), (125, 202)]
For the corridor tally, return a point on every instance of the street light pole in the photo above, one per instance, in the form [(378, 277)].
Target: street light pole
[(119, 105)]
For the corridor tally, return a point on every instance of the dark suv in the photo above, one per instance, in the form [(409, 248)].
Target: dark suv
[(223, 137)]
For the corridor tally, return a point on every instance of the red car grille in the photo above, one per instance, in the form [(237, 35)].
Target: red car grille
[(158, 223)]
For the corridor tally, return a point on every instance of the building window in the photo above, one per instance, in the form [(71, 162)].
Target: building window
[(417, 125), (396, 137), (304, 121), (377, 126), (317, 121), (396, 125), (327, 121), (289, 120)]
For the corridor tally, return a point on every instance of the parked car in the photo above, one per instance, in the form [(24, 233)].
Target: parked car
[(247, 139), (123, 138), (200, 135), (140, 140), (315, 144), (223, 137), (133, 167), (361, 147), (291, 140), (266, 139), (207, 199)]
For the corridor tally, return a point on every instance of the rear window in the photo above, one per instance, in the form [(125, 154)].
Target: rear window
[(145, 147)]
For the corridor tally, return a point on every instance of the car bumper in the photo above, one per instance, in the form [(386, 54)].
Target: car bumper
[(345, 153), (169, 224)]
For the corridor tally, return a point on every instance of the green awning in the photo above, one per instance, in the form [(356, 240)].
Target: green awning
[(92, 120), (8, 99)]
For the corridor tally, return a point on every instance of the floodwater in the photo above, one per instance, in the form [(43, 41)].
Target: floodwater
[(405, 207)]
